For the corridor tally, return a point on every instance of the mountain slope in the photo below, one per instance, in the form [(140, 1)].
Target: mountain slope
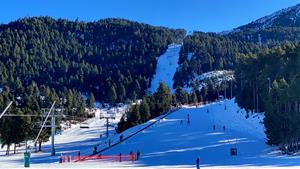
[(210, 51), (166, 68), (289, 17), (86, 56), (274, 29), (170, 144)]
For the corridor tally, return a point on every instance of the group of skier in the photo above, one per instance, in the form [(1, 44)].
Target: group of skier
[(132, 156), (188, 120)]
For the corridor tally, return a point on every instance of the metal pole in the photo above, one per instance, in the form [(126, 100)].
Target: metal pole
[(254, 106), (107, 127), (52, 133), (257, 103), (225, 90), (26, 144), (269, 84), (231, 89), (4, 111), (44, 122)]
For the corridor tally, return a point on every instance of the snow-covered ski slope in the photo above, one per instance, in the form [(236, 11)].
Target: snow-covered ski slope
[(166, 68), (170, 144), (68, 143)]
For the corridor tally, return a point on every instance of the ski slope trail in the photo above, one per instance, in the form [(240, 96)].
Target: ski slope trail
[(166, 68), (170, 144)]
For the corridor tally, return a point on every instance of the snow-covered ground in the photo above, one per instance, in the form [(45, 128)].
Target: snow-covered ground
[(68, 143), (166, 68), (217, 77), (170, 144)]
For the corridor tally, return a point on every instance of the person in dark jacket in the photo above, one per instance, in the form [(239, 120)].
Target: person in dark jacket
[(198, 162), (138, 153), (95, 150)]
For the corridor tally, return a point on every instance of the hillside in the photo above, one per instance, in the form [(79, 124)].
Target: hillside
[(85, 56), (204, 52), (288, 17)]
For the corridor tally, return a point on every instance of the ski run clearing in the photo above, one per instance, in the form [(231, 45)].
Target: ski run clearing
[(166, 68), (170, 144)]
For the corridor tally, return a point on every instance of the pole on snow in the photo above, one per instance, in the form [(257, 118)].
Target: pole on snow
[(269, 80), (225, 90), (4, 111), (107, 124), (44, 124), (231, 89), (52, 133)]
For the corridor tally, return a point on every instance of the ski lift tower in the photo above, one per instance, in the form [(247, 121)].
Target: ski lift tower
[(108, 116), (55, 112)]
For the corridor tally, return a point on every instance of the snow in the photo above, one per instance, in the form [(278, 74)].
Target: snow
[(69, 142), (169, 144), (166, 68), (268, 21), (217, 77)]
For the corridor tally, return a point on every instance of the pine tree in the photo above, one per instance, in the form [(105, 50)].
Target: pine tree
[(91, 101), (135, 117), (181, 96), (163, 97), (145, 110), (121, 93), (112, 96), (193, 98)]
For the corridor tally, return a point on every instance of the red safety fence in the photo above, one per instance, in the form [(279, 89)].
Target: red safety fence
[(117, 158)]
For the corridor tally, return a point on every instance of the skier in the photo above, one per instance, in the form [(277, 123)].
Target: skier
[(131, 156), (198, 163), (181, 121), (78, 154), (138, 155), (120, 156), (109, 142), (61, 158), (223, 128), (214, 127), (95, 150), (188, 119)]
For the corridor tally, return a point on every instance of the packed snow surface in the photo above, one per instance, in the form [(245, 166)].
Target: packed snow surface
[(217, 77), (170, 144), (166, 68)]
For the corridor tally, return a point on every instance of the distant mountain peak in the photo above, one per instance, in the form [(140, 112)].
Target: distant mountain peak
[(288, 17)]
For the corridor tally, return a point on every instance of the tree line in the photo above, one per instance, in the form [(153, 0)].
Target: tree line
[(269, 82), (162, 101), (204, 52), (35, 101), (90, 57)]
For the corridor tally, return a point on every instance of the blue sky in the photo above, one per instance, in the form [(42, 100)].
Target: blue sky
[(202, 15)]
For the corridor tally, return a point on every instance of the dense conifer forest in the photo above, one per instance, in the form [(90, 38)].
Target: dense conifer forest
[(44, 60)]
